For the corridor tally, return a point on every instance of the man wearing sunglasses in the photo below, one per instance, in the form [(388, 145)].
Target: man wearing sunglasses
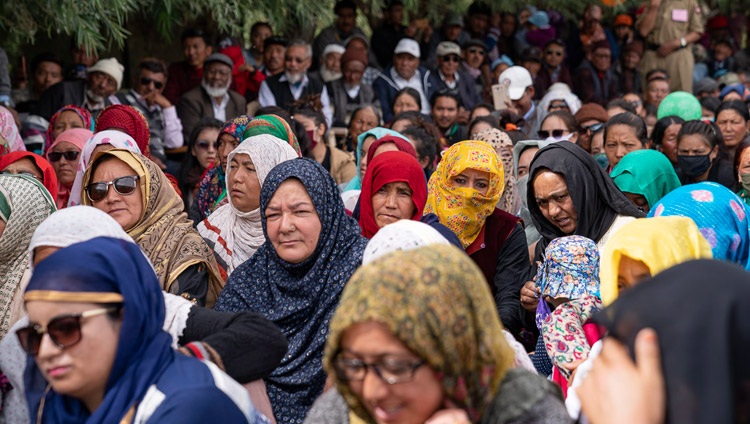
[(147, 96), (449, 77)]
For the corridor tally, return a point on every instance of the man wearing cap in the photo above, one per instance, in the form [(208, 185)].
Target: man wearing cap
[(595, 81), (624, 33), (343, 27), (389, 33), (474, 63), (103, 80), (521, 92), (330, 63), (212, 98), (591, 117), (669, 27), (187, 74), (163, 124), (405, 72), (449, 77), (348, 92), (295, 83)]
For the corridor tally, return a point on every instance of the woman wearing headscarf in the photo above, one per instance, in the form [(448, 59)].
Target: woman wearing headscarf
[(10, 138), (395, 319), (720, 215), (134, 191), (401, 235), (679, 376), (644, 177), (101, 141), (31, 165), (234, 231), (510, 201), (24, 204), (463, 193), (101, 303), (212, 190), (364, 141), (296, 277), (646, 247), (68, 117), (63, 154)]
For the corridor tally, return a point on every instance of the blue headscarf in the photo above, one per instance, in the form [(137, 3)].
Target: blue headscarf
[(378, 133), (299, 298), (720, 215)]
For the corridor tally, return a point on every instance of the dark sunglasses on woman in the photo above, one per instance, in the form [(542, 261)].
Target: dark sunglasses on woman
[(64, 331), (553, 133), (70, 155), (123, 185)]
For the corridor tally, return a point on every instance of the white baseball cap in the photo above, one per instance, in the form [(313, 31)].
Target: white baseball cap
[(409, 46), (518, 79)]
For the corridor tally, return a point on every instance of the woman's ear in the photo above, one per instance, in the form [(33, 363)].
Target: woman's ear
[(714, 153)]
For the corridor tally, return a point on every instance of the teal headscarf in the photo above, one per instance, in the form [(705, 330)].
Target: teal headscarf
[(378, 133), (646, 172)]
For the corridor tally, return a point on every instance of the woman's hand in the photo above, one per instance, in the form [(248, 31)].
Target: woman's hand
[(617, 390), (529, 296)]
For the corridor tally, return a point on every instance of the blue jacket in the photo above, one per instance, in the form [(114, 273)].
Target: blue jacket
[(385, 90)]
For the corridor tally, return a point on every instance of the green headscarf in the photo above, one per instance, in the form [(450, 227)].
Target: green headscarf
[(682, 104), (273, 125), (646, 172)]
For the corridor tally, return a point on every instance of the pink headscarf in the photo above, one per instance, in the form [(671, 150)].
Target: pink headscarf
[(78, 137), (9, 131)]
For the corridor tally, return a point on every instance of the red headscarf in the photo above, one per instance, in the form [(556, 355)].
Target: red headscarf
[(49, 178), (128, 120), (390, 167), (401, 144), (84, 114)]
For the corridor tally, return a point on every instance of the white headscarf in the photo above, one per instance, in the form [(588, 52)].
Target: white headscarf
[(401, 235), (239, 233)]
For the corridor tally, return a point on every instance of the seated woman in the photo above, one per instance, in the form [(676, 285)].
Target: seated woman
[(643, 248), (334, 160), (700, 156), (202, 153), (559, 125), (645, 176), (678, 376), (401, 325), (63, 154), (364, 118), (296, 277), (463, 193), (68, 117), (24, 204), (234, 231), (31, 165), (105, 356), (137, 194), (364, 141), (623, 133), (664, 137), (719, 214), (100, 142)]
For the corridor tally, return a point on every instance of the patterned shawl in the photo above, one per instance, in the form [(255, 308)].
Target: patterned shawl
[(164, 232), (236, 235), (436, 302), (510, 201), (299, 298), (463, 210), (24, 204), (9, 133)]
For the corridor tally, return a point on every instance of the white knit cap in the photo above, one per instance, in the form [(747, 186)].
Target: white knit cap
[(111, 67)]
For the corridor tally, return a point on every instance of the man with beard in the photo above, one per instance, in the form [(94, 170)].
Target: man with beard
[(294, 83), (103, 80), (213, 98)]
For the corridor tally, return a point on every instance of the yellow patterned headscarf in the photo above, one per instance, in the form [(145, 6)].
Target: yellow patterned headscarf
[(436, 301), (464, 210)]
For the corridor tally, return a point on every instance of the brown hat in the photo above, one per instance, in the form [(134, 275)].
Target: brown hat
[(591, 111), (353, 55)]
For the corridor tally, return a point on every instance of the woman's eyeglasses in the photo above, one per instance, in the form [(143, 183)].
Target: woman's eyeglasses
[(204, 144), (64, 331), (157, 84), (24, 173), (123, 185), (70, 155), (553, 133), (390, 371)]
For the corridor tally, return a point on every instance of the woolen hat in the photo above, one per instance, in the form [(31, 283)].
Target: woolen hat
[(591, 111), (111, 67)]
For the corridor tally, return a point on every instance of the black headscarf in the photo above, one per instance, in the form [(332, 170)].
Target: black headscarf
[(595, 196), (699, 312)]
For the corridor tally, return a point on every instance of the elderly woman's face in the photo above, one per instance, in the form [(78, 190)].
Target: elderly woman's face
[(126, 209), (292, 222), (554, 201), (244, 185), (417, 395), (81, 370), (65, 121)]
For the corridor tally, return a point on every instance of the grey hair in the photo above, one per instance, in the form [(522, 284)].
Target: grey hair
[(302, 43)]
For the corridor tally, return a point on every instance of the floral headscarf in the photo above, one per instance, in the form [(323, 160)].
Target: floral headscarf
[(9, 132), (464, 210), (85, 115)]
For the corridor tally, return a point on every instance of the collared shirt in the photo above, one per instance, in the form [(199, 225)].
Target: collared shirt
[(220, 109), (352, 92), (450, 84), (414, 82), (267, 98)]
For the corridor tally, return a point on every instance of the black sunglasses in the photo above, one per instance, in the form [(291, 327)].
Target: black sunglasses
[(203, 144), (123, 185), (593, 128), (63, 330), (451, 58), (554, 133), (147, 81), (70, 155)]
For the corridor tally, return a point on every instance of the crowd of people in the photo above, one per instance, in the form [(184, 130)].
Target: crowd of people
[(497, 218)]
